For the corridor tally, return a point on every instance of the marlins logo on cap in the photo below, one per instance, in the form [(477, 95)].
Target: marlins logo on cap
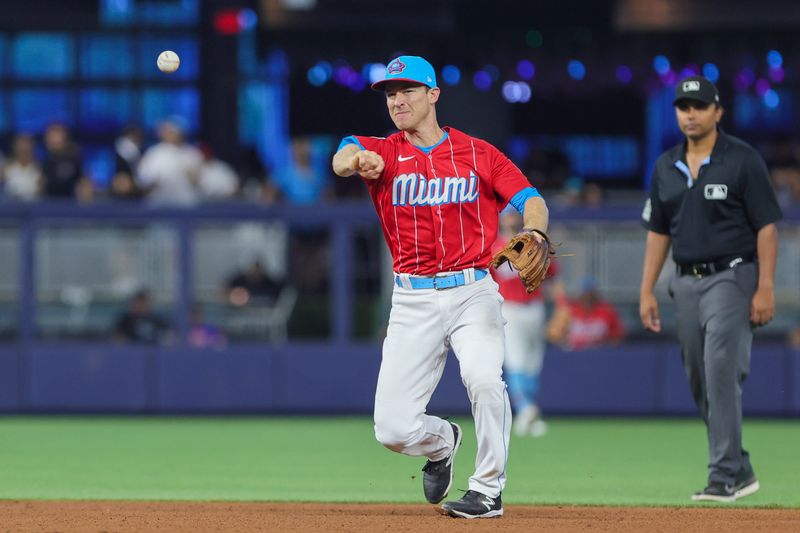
[(408, 68), (396, 67)]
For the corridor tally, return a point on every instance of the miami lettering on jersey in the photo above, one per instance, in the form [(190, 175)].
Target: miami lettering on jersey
[(417, 190)]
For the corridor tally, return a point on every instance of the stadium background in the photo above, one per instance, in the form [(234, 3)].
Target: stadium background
[(577, 93)]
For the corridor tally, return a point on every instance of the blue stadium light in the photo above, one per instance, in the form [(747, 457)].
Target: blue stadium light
[(624, 74), (374, 72), (327, 67), (772, 99), (482, 80), (526, 69), (317, 76), (711, 72), (451, 74), (247, 19), (511, 92), (661, 65), (576, 69), (774, 59)]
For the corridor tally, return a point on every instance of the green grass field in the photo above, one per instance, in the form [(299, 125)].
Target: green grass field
[(580, 461)]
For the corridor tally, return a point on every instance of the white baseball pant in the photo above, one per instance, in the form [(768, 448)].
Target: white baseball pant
[(423, 324), (525, 336)]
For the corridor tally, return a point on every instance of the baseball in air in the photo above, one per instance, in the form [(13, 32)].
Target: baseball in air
[(168, 61)]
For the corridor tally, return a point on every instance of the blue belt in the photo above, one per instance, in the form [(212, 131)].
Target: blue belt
[(440, 282)]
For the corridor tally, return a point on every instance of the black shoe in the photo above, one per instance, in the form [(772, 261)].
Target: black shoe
[(439, 474), (474, 505), (716, 492), (746, 486)]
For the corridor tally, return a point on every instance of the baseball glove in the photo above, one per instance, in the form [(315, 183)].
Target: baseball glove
[(528, 255)]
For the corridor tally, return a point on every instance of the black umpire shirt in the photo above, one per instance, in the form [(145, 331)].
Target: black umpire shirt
[(718, 215)]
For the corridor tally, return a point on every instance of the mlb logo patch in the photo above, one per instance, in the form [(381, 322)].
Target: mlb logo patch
[(691, 86), (396, 67), (716, 191)]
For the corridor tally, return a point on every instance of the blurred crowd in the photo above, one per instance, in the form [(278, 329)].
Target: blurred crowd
[(254, 304), (170, 171)]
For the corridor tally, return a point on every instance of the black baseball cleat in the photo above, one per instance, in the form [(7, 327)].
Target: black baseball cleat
[(439, 474), (746, 487), (716, 491), (721, 492), (474, 505)]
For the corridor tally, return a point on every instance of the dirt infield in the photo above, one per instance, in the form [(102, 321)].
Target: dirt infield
[(142, 517)]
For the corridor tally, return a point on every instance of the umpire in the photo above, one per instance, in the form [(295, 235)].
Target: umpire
[(711, 200)]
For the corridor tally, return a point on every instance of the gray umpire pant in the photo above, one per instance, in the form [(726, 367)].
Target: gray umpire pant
[(715, 334)]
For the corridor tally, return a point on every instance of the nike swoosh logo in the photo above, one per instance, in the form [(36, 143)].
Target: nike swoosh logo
[(401, 158)]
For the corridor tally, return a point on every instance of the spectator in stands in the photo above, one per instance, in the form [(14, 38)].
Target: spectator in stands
[(127, 154), (585, 322), (306, 177), (252, 285), (139, 323), (217, 179), (592, 195), (62, 167), (202, 334), (22, 176), (169, 171), (257, 184)]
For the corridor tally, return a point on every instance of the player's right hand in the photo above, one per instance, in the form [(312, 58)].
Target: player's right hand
[(368, 164), (648, 312)]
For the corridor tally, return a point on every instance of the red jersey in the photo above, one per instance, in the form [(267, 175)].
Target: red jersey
[(594, 326), (507, 277), (439, 209)]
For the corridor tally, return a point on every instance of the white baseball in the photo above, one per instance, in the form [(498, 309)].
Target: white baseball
[(168, 61)]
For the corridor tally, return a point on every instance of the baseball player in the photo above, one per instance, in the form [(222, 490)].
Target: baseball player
[(437, 192), (525, 334), (711, 201)]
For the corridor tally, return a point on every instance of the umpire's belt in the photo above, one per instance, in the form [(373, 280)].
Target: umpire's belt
[(440, 281), (701, 270)]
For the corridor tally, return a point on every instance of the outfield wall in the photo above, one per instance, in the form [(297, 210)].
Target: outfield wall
[(632, 379)]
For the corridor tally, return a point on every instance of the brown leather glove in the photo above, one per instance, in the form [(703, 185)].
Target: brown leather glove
[(528, 255)]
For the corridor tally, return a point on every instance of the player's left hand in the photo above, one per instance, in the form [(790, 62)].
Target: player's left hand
[(762, 307)]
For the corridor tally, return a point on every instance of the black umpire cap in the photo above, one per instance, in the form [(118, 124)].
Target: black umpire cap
[(696, 88)]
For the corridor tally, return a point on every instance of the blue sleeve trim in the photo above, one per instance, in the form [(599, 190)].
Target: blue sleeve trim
[(519, 199), (350, 140)]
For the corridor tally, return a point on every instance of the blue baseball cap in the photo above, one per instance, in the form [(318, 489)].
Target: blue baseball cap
[(588, 284), (408, 68)]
